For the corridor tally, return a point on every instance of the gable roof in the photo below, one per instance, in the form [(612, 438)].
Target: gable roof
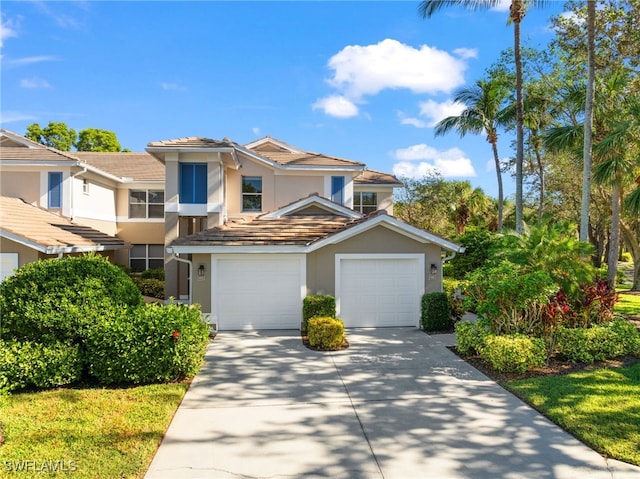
[(125, 165), (373, 177), (49, 233), (282, 231)]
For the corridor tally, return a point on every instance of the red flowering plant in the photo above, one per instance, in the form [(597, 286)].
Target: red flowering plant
[(599, 299), (175, 335)]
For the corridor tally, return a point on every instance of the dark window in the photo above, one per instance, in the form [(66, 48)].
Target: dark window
[(146, 204), (146, 256), (365, 202), (337, 189), (55, 189), (251, 193), (193, 183)]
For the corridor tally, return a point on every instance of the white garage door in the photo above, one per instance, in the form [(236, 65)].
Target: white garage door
[(258, 291), (379, 290)]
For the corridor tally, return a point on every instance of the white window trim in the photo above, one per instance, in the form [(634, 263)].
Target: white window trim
[(146, 203)]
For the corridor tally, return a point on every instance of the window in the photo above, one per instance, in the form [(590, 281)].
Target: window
[(337, 189), (146, 256), (85, 186), (251, 193), (365, 202), (55, 189), (193, 183), (146, 204)]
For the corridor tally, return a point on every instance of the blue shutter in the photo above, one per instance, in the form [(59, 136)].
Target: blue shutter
[(55, 189), (337, 188), (193, 183)]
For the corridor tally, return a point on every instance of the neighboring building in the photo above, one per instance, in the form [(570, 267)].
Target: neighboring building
[(246, 231)]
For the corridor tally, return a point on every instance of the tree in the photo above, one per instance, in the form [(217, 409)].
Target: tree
[(55, 135), (482, 103), (517, 12)]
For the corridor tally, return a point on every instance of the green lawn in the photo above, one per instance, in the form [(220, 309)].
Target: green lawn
[(600, 407), (89, 433), (628, 304)]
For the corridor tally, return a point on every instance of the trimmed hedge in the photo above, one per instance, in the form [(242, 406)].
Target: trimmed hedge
[(470, 337), (604, 341), (326, 332), (435, 312), (150, 286), (317, 306), (151, 344), (28, 364), (513, 352)]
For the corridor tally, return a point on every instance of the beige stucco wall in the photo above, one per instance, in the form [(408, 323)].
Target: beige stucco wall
[(25, 254), (234, 188), (385, 196), (380, 240), (25, 185), (202, 287), (142, 232)]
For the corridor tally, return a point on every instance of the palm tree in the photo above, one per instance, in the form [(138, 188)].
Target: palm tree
[(483, 104), (588, 120), (517, 12)]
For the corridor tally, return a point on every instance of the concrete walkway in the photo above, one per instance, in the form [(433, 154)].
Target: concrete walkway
[(396, 404)]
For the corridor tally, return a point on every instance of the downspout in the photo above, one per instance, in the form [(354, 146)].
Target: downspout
[(190, 278), (72, 212)]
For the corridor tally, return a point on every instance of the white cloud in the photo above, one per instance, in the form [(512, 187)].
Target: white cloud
[(7, 30), (172, 86), (435, 111), (256, 131), (417, 122), (501, 6), (416, 161), (15, 116), (34, 83), (466, 53), (31, 60), (367, 70), (336, 105)]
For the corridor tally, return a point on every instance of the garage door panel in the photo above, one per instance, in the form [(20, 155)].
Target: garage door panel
[(258, 292), (380, 291)]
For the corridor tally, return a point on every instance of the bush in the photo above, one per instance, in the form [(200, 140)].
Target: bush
[(28, 364), (317, 306), (152, 343), (478, 245), (150, 286), (326, 332), (605, 341), (513, 353), (56, 300), (156, 273), (470, 337), (435, 312), (456, 301)]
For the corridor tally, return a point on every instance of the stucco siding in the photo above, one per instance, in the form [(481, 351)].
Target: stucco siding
[(378, 240), (141, 232), (25, 254), (202, 286), (25, 185), (291, 188)]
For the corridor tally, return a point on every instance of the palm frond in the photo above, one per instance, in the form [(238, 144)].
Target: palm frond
[(427, 8)]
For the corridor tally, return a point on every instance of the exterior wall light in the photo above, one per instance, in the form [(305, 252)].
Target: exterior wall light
[(434, 269), (201, 271)]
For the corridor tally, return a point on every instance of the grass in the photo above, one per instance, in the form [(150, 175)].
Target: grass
[(628, 304), (600, 407), (91, 433)]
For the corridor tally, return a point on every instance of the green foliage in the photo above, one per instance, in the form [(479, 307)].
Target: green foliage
[(95, 139), (513, 353), (605, 341), (150, 286), (435, 315), (58, 299), (471, 337), (152, 343), (511, 298), (155, 273), (54, 135), (326, 332), (478, 244), (29, 364), (317, 306), (454, 296)]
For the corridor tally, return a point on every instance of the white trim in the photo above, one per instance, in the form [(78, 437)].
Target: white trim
[(192, 209), (211, 249), (318, 200), (57, 249), (372, 256), (126, 219)]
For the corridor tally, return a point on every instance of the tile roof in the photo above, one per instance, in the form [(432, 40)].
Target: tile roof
[(306, 158), (138, 166), (51, 232), (291, 230), (26, 154), (372, 177), (191, 142)]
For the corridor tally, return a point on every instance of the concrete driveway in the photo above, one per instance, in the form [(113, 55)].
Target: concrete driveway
[(396, 404)]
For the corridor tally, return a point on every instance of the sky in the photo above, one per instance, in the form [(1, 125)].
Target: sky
[(364, 80)]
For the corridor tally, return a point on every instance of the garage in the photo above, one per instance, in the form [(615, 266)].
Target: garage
[(379, 290), (258, 291)]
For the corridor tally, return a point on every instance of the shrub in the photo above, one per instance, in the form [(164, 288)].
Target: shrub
[(152, 343), (435, 312), (28, 364), (56, 300), (454, 297), (513, 353), (156, 273), (478, 245), (605, 341), (150, 286), (317, 306), (326, 332), (470, 337)]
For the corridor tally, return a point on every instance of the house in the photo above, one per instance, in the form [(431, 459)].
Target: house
[(247, 231)]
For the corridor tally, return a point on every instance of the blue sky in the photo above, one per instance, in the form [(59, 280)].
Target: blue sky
[(360, 80)]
